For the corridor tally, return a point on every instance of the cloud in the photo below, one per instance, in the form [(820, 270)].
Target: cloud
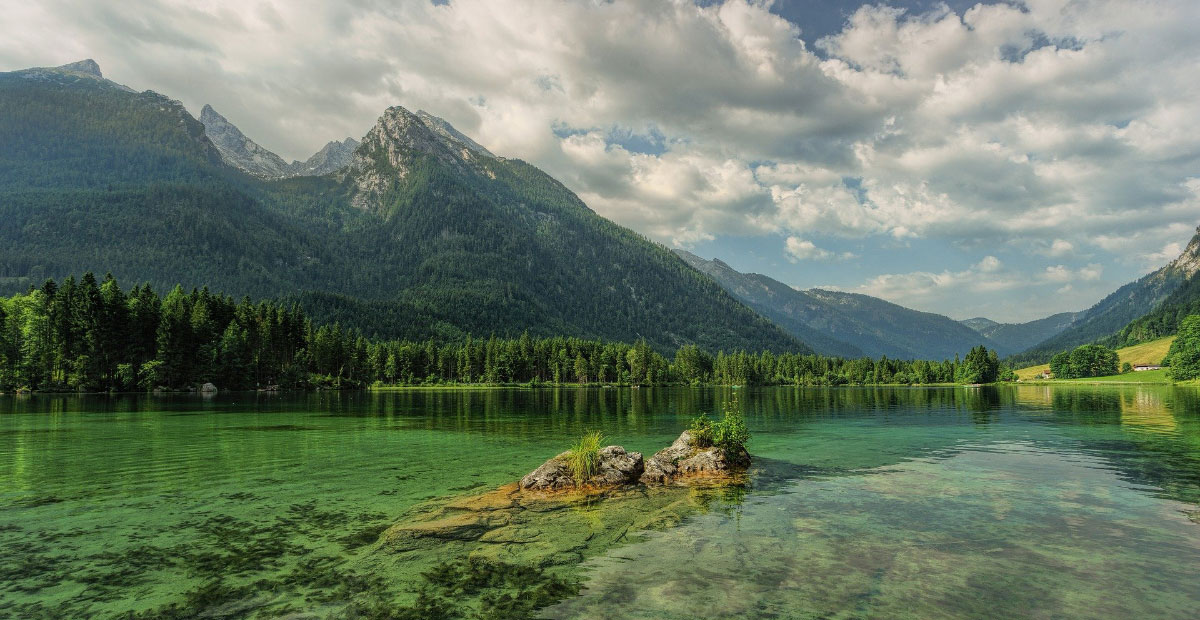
[(800, 249), (973, 291), (1062, 273), (1057, 248)]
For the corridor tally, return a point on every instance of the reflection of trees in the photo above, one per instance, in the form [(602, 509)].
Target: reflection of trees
[(1149, 434)]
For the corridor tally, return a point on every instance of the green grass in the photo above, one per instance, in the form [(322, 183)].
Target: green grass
[(1152, 377), (1145, 376), (584, 457)]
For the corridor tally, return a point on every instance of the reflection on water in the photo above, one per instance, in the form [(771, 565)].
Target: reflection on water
[(863, 502)]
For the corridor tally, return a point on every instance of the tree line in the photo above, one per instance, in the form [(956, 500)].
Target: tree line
[(92, 335)]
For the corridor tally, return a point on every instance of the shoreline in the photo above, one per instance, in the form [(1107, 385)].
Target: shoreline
[(474, 387)]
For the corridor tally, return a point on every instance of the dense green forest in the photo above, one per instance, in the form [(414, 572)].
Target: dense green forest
[(1184, 355), (92, 335), (443, 246)]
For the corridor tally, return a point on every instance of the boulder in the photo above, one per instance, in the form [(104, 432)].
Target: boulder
[(550, 476), (663, 465), (615, 467), (208, 388), (682, 458), (618, 467)]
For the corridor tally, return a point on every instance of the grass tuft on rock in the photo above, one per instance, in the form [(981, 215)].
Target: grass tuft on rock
[(584, 458)]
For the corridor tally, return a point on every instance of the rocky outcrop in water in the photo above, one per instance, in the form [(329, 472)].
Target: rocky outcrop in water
[(683, 458), (617, 467)]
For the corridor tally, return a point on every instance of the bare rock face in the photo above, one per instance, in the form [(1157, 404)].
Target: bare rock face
[(681, 458), (662, 466), (550, 476), (616, 467)]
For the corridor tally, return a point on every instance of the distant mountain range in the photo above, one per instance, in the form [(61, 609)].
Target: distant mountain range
[(1012, 338), (1115, 319), (417, 224), (845, 324)]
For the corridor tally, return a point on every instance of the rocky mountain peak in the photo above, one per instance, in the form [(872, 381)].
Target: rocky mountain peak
[(449, 133), (332, 157), (1188, 262), (86, 66), (238, 150), (390, 148)]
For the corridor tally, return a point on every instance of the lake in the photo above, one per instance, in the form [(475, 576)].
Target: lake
[(1017, 501)]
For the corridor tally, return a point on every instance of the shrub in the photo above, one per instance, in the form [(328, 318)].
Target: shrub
[(1126, 367), (702, 431), (731, 434), (584, 457)]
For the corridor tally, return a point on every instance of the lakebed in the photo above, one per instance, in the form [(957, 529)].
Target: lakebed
[(1077, 501)]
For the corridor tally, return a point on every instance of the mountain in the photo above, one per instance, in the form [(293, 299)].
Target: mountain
[(845, 324), (1164, 320), (238, 150), (1014, 337), (247, 155), (776, 301), (449, 133), (1125, 306), (332, 157), (420, 235)]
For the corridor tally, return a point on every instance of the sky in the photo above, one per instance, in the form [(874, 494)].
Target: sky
[(1008, 160)]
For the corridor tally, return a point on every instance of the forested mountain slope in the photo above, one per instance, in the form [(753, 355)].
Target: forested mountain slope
[(847, 324), (423, 227), (1127, 304), (1164, 320)]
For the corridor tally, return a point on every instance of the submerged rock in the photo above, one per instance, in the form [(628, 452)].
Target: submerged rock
[(615, 467)]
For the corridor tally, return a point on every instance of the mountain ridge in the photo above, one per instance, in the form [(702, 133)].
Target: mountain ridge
[(1017, 337), (243, 153), (847, 324), (1121, 308)]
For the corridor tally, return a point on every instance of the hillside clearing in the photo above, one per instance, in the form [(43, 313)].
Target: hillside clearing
[(1151, 352)]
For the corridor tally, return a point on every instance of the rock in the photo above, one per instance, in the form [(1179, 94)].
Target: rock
[(710, 461), (663, 465), (682, 458), (615, 467), (550, 476), (618, 467), (208, 388)]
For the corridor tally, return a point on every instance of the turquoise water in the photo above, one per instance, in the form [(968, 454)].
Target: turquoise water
[(875, 502)]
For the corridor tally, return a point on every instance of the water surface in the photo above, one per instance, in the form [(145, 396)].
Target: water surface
[(1039, 501)]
